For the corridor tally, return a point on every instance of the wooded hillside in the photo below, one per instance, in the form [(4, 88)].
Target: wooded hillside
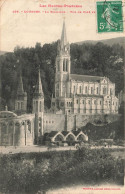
[(98, 59)]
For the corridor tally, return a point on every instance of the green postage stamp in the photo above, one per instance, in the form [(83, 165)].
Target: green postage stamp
[(109, 16)]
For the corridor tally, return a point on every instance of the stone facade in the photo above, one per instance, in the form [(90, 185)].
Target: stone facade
[(79, 99), (80, 94)]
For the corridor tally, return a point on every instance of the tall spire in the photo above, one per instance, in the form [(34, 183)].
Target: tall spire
[(20, 89), (63, 36), (38, 89)]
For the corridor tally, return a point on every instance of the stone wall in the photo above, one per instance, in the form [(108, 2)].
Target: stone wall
[(55, 122)]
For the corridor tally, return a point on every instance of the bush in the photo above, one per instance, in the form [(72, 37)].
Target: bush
[(28, 173)]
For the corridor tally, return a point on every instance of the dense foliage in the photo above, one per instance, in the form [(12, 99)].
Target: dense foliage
[(99, 59), (114, 130), (28, 173)]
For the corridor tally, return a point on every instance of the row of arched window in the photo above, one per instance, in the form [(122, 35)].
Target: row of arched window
[(92, 90), (36, 107), (49, 122), (65, 65), (19, 105), (69, 104), (86, 90), (89, 102)]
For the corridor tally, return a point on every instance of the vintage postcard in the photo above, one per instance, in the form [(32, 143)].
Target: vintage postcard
[(62, 96)]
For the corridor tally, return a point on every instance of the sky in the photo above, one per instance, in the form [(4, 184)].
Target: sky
[(25, 29)]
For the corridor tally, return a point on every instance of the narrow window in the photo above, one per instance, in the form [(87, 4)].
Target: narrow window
[(110, 91), (40, 107), (18, 105), (63, 64), (83, 101), (21, 105), (104, 90), (67, 65), (74, 89), (80, 89), (58, 66), (97, 90), (86, 89), (77, 101), (36, 105), (91, 90), (100, 102)]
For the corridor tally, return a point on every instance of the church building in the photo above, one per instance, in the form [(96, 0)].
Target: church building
[(80, 94), (78, 99)]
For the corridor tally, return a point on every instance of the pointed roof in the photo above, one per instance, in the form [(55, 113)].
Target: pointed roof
[(63, 36), (86, 78), (39, 89), (20, 89)]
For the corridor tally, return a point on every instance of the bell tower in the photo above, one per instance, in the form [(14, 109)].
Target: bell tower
[(21, 99), (62, 65), (38, 108)]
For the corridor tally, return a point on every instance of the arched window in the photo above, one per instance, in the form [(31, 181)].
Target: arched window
[(21, 105), (63, 64), (91, 90), (80, 89), (36, 105), (97, 90), (74, 89), (58, 64), (104, 90), (18, 105), (67, 65), (40, 106), (86, 89)]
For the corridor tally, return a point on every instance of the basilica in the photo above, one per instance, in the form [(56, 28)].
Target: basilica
[(78, 99)]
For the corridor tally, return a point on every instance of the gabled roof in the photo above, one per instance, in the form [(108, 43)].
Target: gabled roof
[(89, 95), (52, 133), (86, 78), (65, 132)]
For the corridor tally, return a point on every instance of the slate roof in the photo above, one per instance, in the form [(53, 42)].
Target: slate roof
[(86, 78), (89, 95)]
